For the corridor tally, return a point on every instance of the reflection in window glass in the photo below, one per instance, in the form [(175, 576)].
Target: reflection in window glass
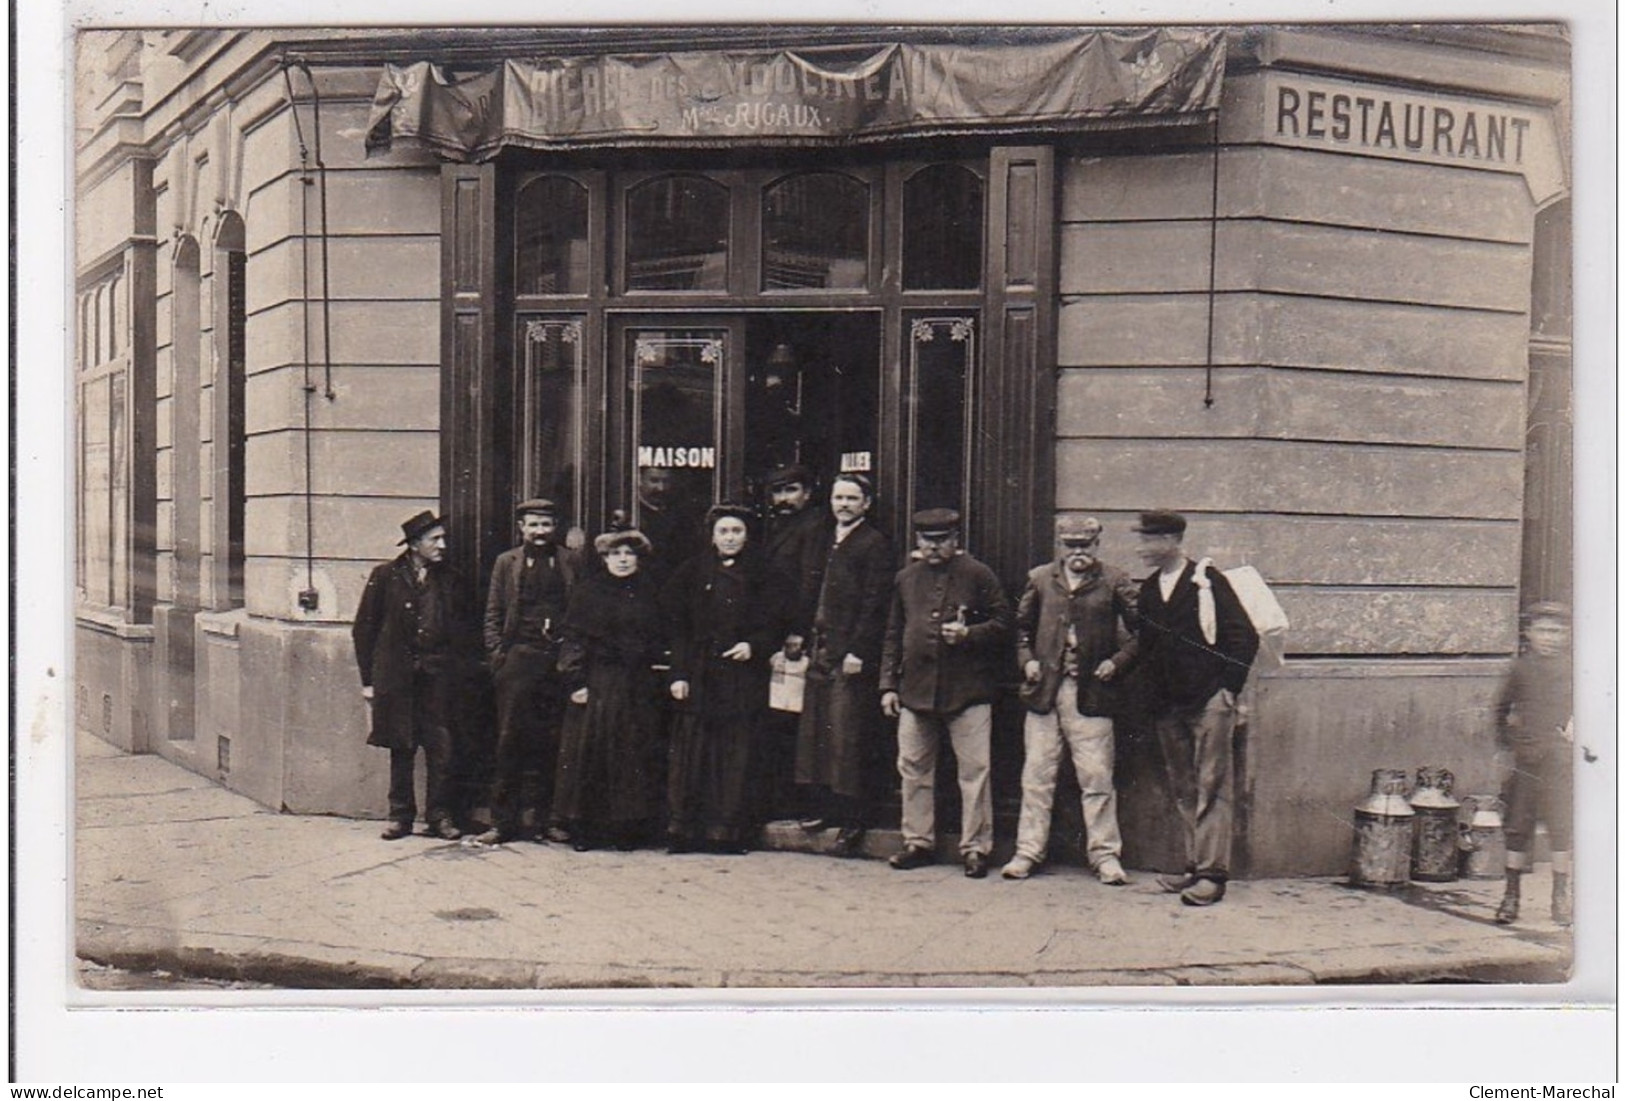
[(677, 235), (942, 229), (550, 250), (941, 353), (815, 232)]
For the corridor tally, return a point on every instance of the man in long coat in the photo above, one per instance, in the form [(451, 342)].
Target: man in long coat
[(1196, 648), (797, 547), (840, 719), (412, 645), (524, 614)]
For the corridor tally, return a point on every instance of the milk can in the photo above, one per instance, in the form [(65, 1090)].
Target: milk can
[(1383, 825), (1483, 838), (1438, 834)]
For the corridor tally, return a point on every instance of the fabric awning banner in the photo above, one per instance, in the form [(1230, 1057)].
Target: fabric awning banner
[(1083, 79)]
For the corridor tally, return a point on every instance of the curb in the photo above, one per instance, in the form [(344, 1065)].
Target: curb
[(304, 966)]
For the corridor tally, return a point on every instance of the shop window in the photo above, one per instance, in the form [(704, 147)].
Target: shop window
[(815, 232), (941, 357), (102, 460), (553, 449), (942, 229), (677, 235), (551, 240)]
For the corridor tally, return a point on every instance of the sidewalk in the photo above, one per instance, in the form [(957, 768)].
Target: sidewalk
[(175, 873)]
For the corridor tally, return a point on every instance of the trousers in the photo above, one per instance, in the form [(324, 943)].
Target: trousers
[(431, 735), (1090, 742), (530, 710), (919, 739), (1198, 756)]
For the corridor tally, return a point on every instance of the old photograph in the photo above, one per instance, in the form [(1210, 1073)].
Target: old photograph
[(810, 508)]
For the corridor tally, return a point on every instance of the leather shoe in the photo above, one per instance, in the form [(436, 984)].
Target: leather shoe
[(556, 834), (915, 856), (493, 836), (396, 830), (1176, 884), (445, 831), (848, 841), (1204, 892), (811, 825), (975, 865)]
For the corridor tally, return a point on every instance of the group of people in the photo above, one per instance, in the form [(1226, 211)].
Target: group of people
[(645, 697)]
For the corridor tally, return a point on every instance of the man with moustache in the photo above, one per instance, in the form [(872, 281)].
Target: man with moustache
[(945, 644), (412, 639), (848, 623), (1068, 624), (524, 610), (1196, 647)]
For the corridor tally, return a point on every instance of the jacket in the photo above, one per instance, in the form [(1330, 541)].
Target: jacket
[(502, 600), (1104, 598), (798, 547), (850, 616), (927, 673), (390, 655), (708, 608), (1180, 668)]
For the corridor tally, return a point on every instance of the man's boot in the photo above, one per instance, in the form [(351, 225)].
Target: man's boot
[(1507, 912), (1562, 888)]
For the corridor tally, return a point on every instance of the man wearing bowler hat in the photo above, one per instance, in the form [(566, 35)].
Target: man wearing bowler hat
[(412, 638), (946, 641), (1196, 647), (524, 610)]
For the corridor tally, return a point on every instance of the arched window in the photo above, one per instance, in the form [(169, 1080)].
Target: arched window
[(942, 229), (815, 232), (551, 242), (677, 235), (114, 287), (186, 481)]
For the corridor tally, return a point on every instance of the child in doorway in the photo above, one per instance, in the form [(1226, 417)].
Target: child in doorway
[(1534, 722)]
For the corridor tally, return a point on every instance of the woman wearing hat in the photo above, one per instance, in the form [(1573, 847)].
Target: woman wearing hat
[(726, 612), (605, 790)]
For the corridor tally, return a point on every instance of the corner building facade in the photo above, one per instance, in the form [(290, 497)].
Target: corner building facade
[(1307, 285)]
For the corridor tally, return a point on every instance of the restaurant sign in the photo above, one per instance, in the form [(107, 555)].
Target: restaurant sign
[(1435, 129), (1034, 80)]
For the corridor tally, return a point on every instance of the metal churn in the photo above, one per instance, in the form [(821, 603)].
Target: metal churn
[(1483, 837), (1437, 855), (1383, 825)]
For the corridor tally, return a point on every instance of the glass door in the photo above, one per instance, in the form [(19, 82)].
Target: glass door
[(678, 409)]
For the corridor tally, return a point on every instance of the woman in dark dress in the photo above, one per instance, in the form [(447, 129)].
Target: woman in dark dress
[(726, 611), (605, 790)]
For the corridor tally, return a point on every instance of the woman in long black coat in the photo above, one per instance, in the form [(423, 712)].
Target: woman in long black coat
[(605, 790), (726, 612)]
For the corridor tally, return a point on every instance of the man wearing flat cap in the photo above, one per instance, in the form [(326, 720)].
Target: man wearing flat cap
[(524, 611), (1196, 647), (413, 642), (946, 641), (1074, 632)]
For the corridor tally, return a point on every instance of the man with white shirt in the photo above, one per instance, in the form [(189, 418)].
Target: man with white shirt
[(1196, 647), (848, 625)]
